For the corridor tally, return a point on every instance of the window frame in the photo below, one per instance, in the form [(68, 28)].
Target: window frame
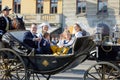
[(17, 6), (102, 11), (39, 10), (81, 11), (54, 9)]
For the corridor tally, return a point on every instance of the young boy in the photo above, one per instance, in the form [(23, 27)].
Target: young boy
[(45, 44)]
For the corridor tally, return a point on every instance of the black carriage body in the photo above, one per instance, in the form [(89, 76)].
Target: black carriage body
[(46, 64), (108, 52), (49, 64)]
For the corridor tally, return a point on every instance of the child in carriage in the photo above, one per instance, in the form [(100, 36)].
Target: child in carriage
[(63, 46), (45, 44)]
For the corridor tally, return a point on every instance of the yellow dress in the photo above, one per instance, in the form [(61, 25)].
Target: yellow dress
[(59, 50)]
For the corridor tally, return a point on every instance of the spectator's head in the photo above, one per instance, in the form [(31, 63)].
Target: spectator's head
[(5, 10), (77, 27), (33, 28)]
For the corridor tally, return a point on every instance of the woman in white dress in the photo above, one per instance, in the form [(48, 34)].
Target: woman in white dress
[(45, 27), (78, 30)]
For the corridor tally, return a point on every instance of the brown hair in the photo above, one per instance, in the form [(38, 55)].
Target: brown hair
[(78, 26), (45, 34)]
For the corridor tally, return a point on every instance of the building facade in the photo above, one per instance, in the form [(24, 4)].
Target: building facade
[(91, 13), (67, 12), (36, 11)]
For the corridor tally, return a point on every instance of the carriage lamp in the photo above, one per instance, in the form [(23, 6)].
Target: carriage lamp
[(115, 34), (98, 35)]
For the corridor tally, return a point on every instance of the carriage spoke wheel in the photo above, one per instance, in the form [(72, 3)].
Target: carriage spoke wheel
[(12, 66), (33, 75), (102, 71)]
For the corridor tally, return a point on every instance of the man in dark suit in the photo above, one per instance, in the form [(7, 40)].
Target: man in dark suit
[(5, 21), (30, 37)]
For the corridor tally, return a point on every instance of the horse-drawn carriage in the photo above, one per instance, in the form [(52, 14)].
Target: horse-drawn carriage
[(19, 61)]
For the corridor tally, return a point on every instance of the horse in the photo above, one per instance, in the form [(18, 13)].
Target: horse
[(18, 23)]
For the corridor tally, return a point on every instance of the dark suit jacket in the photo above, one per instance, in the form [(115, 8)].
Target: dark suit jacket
[(28, 39), (3, 24)]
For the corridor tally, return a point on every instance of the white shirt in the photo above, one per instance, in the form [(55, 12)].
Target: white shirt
[(78, 34), (69, 43), (60, 43), (39, 35)]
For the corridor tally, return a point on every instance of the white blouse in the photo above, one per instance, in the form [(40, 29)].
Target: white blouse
[(69, 43), (78, 34)]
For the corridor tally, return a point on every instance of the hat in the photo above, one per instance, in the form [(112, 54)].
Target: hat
[(43, 24), (5, 8), (83, 26)]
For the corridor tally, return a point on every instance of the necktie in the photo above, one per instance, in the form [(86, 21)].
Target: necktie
[(36, 43), (35, 36)]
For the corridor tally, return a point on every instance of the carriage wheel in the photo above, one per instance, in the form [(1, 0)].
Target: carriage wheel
[(36, 76), (32, 76), (102, 71), (12, 66)]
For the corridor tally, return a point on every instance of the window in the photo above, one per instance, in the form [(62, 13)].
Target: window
[(81, 6), (54, 4), (39, 6), (17, 6), (0, 5), (102, 7)]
